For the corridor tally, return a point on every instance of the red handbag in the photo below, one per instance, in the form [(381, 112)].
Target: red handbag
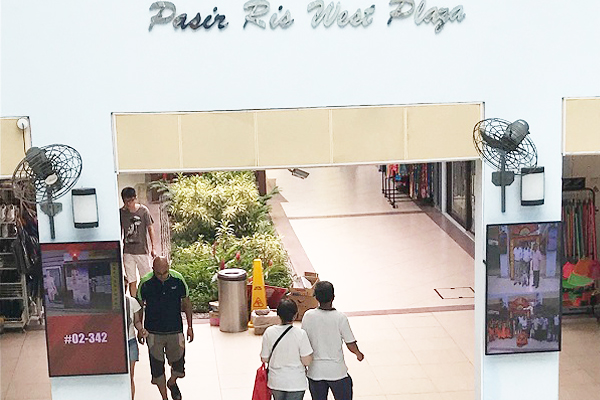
[(261, 390)]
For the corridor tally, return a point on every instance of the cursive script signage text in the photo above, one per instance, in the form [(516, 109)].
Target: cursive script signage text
[(330, 14), (434, 15), (258, 11), (179, 21)]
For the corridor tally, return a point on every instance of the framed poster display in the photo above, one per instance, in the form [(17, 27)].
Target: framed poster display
[(83, 297), (523, 288)]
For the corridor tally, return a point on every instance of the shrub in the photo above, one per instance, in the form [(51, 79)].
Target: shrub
[(201, 204), (220, 221)]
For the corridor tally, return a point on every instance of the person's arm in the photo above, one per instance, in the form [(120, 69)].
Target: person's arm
[(152, 240), (306, 360), (186, 306), (353, 347), (137, 321), (266, 345), (349, 339), (306, 350), (138, 317)]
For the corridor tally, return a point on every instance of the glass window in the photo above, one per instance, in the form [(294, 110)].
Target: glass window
[(460, 205)]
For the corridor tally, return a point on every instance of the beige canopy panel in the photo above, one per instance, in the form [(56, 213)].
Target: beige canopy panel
[(13, 143), (582, 125), (296, 137)]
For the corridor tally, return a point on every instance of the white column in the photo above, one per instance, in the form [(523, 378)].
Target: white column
[(518, 376)]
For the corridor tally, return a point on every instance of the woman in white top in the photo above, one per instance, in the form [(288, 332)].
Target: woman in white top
[(134, 322), (287, 363)]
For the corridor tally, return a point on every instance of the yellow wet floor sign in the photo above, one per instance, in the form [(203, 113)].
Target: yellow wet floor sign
[(259, 296)]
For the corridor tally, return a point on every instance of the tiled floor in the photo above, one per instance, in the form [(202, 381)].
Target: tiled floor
[(424, 356), (353, 236), (379, 258)]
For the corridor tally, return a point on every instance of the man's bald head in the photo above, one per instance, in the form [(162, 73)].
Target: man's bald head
[(160, 266)]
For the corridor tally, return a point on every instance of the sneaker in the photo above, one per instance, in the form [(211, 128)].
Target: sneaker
[(175, 392)]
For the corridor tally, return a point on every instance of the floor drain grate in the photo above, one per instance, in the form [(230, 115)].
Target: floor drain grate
[(463, 292)]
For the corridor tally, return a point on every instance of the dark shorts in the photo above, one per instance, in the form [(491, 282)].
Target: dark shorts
[(173, 346), (341, 389), (134, 351)]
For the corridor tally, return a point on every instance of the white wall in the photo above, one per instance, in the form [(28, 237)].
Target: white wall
[(69, 65)]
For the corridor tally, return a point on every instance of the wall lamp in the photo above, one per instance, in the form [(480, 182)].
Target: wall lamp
[(85, 208), (298, 173), (532, 186)]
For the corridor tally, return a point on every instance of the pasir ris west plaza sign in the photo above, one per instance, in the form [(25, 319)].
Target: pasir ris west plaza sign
[(259, 11)]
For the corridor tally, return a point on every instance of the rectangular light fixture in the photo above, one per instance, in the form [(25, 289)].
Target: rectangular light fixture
[(532, 186), (85, 208), (298, 173)]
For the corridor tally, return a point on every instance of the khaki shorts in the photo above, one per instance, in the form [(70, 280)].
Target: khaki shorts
[(133, 262), (171, 345)]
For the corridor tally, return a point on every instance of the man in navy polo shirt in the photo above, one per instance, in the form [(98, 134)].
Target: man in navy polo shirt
[(165, 294)]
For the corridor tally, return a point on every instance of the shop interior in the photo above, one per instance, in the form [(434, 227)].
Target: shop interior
[(580, 217), (21, 280)]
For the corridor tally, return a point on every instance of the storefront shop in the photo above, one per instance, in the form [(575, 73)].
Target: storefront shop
[(448, 186), (14, 308), (580, 217), (184, 86)]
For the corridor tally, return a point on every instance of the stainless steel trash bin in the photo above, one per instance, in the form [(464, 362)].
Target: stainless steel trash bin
[(233, 305)]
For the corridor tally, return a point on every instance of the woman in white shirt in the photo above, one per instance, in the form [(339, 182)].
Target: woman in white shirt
[(287, 363), (134, 320)]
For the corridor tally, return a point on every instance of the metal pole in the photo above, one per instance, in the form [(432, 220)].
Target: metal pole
[(502, 180), (52, 234)]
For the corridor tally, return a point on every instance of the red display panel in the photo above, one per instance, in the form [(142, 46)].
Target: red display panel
[(83, 297)]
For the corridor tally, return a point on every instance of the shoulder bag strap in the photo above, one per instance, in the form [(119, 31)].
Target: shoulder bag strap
[(277, 342)]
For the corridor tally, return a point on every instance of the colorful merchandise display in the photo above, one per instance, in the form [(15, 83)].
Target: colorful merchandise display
[(581, 269), (415, 180), (579, 229)]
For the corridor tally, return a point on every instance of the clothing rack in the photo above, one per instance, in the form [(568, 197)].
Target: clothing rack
[(421, 185), (579, 224), (394, 182), (20, 266), (579, 243), (400, 180)]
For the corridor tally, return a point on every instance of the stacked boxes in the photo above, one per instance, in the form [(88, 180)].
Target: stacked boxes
[(262, 319), (302, 292)]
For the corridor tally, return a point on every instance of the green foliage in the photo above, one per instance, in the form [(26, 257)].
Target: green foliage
[(203, 204), (198, 269), (220, 221)]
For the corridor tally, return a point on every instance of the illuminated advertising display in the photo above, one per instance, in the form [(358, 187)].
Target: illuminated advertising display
[(83, 297), (523, 299)]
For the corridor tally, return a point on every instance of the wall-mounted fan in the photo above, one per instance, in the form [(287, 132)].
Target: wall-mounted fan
[(505, 146), (45, 174)]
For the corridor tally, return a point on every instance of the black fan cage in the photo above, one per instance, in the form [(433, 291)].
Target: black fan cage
[(524, 156), (66, 163)]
